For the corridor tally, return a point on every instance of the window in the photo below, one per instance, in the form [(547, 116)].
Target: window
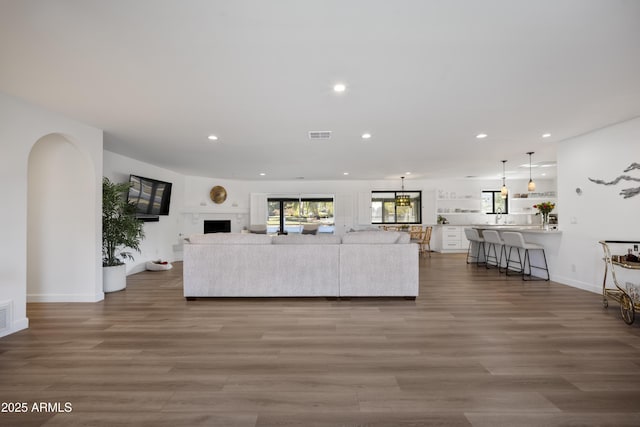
[(385, 211), (290, 215), (493, 203)]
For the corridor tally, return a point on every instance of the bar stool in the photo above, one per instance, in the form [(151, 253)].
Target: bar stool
[(515, 240), (473, 236), (491, 239)]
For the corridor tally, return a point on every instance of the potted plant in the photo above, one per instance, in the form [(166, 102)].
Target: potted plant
[(545, 209), (120, 230)]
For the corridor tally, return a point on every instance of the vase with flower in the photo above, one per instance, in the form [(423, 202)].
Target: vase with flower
[(544, 209)]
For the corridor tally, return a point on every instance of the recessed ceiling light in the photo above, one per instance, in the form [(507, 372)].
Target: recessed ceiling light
[(213, 137), (481, 135), (366, 136), (340, 87), (345, 173), (262, 174), (546, 135), (407, 173)]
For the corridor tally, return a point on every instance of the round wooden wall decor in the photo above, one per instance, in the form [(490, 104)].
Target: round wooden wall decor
[(218, 194)]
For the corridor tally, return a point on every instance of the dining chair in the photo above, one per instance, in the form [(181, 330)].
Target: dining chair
[(425, 241)]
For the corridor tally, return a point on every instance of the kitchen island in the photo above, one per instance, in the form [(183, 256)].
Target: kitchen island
[(549, 239), (450, 238)]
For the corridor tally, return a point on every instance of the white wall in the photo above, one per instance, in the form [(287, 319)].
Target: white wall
[(198, 205), (350, 196), (600, 213), (60, 208), (22, 126), (162, 239), (474, 187)]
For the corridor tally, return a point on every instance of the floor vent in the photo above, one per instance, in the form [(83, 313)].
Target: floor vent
[(319, 134), (5, 315)]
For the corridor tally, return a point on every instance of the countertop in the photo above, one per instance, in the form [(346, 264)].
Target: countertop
[(536, 230), (508, 227)]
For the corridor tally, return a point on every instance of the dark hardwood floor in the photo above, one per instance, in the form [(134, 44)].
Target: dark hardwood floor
[(475, 348)]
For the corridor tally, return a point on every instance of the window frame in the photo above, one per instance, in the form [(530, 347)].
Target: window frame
[(418, 211), (299, 200), (496, 193)]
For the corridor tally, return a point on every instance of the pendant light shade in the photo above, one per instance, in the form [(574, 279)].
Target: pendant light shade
[(532, 185), (403, 199), (504, 192)]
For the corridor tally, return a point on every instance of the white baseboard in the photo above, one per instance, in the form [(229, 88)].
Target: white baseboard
[(15, 327), (591, 287), (65, 297)]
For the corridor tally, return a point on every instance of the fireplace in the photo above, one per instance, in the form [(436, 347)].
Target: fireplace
[(217, 226)]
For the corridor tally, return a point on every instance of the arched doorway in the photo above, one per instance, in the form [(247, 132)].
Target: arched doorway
[(61, 241)]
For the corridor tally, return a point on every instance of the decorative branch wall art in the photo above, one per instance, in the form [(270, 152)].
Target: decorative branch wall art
[(626, 192)]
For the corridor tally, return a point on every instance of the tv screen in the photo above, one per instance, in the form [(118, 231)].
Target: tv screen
[(149, 196)]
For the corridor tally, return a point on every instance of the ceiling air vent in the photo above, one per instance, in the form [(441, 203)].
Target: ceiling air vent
[(319, 135)]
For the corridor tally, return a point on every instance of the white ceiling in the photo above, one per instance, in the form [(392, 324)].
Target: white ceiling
[(424, 77)]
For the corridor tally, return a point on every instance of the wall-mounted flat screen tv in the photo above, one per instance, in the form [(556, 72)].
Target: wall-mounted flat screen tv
[(151, 197)]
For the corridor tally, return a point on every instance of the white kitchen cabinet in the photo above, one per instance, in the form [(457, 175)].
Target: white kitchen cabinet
[(449, 238)]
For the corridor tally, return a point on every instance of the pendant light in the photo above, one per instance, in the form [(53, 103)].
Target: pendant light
[(532, 185), (403, 199), (504, 192)]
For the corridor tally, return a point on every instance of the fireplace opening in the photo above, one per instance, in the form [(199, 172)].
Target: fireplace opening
[(217, 226)]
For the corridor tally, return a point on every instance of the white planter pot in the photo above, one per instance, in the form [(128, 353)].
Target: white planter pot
[(114, 278)]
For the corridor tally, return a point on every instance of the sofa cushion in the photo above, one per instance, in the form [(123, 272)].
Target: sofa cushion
[(230, 239), (375, 237), (258, 229), (307, 239), (404, 238), (310, 228)]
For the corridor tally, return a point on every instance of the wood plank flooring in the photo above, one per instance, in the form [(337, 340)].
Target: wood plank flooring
[(475, 348)]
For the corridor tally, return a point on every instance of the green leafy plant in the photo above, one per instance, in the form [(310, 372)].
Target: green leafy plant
[(120, 227)]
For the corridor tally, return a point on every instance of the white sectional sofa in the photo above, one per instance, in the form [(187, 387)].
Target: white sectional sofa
[(368, 263), (373, 264)]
